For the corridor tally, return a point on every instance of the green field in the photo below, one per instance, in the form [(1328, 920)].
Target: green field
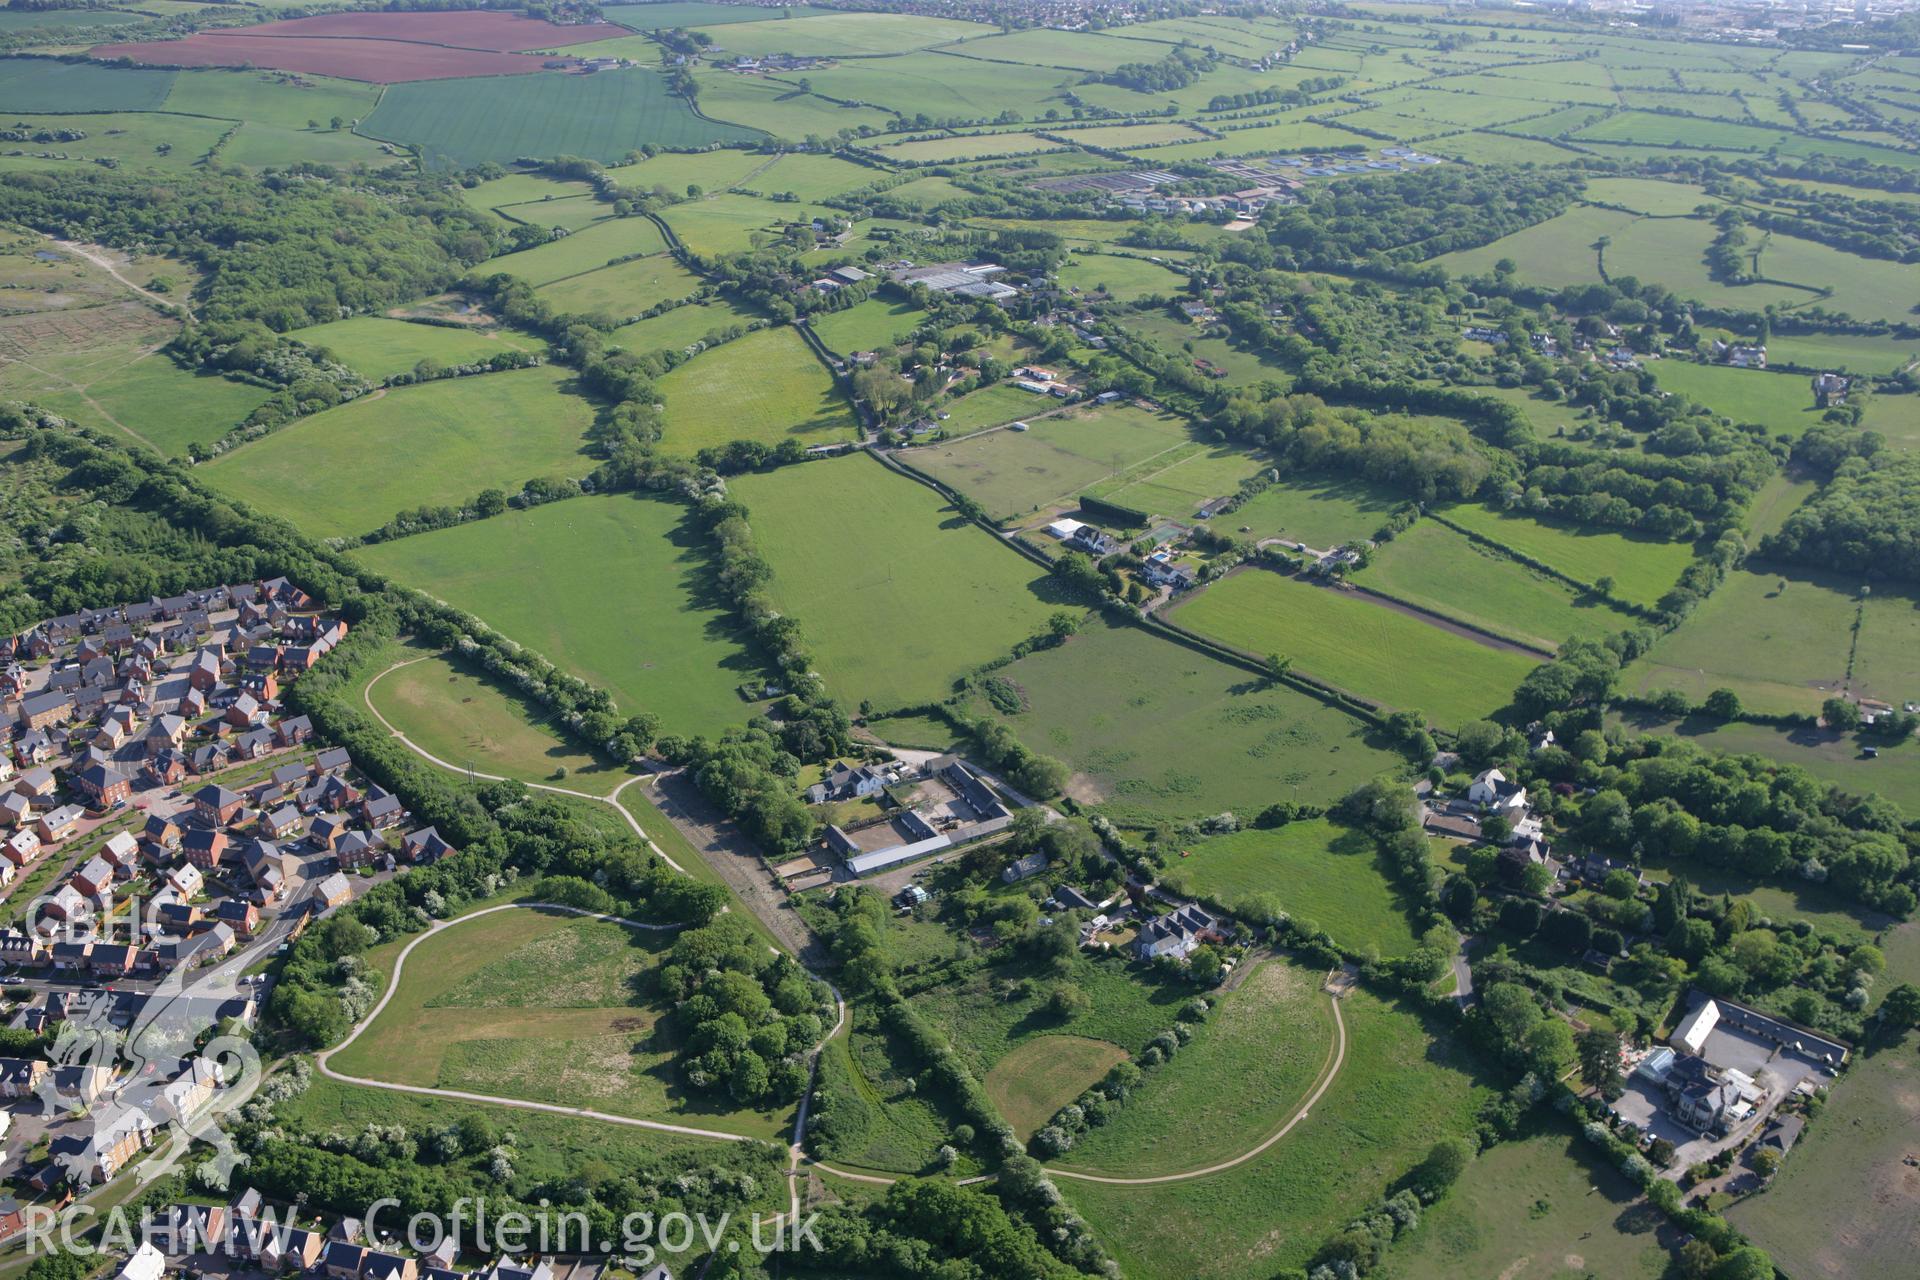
[(1126, 278), (150, 399), (654, 15), (897, 595), (1435, 568), (1886, 661), (1011, 473), (612, 589), (540, 1006), (1860, 353), (1777, 401), (1643, 569), (1044, 1074), (274, 98), (766, 386), (468, 720), (582, 251), (44, 85), (1152, 729), (1535, 1207), (1826, 754), (1251, 1062), (1321, 511), (458, 123), (844, 34), (779, 108), (1322, 875), (1398, 1092), (351, 469), (1176, 484), (624, 290), (1844, 1203), (1864, 288), (1552, 254), (871, 325), (732, 223), (378, 348), (1361, 646), (679, 328), (1644, 195), (136, 139), (1781, 650), (995, 406)]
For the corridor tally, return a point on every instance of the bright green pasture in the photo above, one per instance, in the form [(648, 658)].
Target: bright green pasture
[(133, 139), (1779, 641), (1553, 253), (261, 145), (1435, 568), (896, 593), (811, 177), (678, 328), (1324, 876), (1014, 472), (1072, 50), (378, 348), (673, 172), (575, 213), (1362, 646), (1525, 1207), (1126, 278), (1643, 569), (1778, 401), (766, 386), (967, 147), (581, 251), (158, 403), (1859, 353), (1864, 288), (1250, 1064), (731, 223), (604, 116), (1155, 730), (1399, 1090), (277, 98), (1886, 662), (456, 714), (872, 325), (623, 290), (779, 108), (1674, 252), (656, 15), (351, 469), (1321, 511), (523, 188), (945, 86), (1646, 195), (1176, 484), (615, 589)]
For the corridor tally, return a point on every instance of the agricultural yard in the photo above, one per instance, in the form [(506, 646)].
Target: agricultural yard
[(541, 1006), (1313, 870), (1252, 1061), (613, 589), (1643, 569), (438, 443), (1154, 730), (766, 387), (1780, 641), (1398, 1092), (462, 122), (377, 348), (924, 598), (450, 711), (1358, 645), (1433, 567), (1012, 473)]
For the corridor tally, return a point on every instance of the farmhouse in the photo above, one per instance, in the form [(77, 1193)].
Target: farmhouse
[(1175, 934)]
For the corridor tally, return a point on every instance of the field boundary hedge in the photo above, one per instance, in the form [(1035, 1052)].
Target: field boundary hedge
[(1493, 544), (1450, 620)]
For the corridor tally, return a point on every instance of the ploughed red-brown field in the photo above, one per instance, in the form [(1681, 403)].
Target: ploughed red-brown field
[(382, 48)]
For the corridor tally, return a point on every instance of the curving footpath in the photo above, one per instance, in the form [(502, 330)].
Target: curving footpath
[(796, 1157)]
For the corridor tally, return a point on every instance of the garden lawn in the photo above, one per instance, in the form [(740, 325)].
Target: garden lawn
[(1399, 1091), (1044, 1074), (1531, 1208), (1321, 511), (1436, 568), (449, 710), (1252, 1062), (766, 387), (378, 348), (353, 468), (619, 292), (1780, 648), (1642, 569), (896, 594), (541, 1006), (1155, 730), (874, 324), (614, 589), (1013, 472), (1318, 873), (1362, 646)]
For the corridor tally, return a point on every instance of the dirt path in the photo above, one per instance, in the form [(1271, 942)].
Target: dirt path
[(106, 264)]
